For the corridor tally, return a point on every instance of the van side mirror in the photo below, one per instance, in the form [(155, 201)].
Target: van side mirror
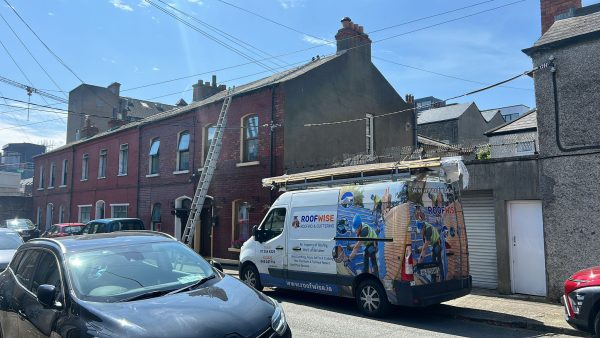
[(254, 228), (216, 265)]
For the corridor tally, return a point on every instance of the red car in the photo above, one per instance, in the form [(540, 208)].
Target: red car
[(582, 300), (64, 229)]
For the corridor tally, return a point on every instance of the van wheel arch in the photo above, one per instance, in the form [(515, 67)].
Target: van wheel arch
[(362, 277), (365, 286)]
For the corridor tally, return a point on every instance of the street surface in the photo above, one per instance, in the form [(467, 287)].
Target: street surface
[(313, 315)]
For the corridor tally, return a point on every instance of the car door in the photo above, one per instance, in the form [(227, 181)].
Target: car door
[(23, 276), (39, 321), (272, 241), (9, 318)]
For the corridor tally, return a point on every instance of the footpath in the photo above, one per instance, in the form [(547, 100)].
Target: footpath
[(492, 308)]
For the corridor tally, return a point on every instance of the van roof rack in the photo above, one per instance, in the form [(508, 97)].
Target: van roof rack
[(352, 174)]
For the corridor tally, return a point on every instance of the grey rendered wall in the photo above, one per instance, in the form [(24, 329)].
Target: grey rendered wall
[(472, 126), (16, 206), (90, 100), (569, 179), (342, 89), (508, 179), (442, 131)]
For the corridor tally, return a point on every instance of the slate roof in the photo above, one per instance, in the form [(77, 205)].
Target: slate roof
[(141, 108), (568, 28), (525, 122), (284, 76), (443, 113), (489, 114)]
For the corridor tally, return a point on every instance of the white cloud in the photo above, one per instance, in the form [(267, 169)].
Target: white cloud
[(155, 69), (291, 3), (197, 2), (50, 14), (105, 59), (143, 3), (120, 5), (316, 41)]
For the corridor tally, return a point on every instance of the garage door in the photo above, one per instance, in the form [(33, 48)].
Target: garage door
[(481, 235)]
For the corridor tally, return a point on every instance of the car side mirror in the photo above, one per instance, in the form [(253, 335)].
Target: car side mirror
[(216, 265), (46, 294)]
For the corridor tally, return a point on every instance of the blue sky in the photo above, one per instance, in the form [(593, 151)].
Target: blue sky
[(134, 43)]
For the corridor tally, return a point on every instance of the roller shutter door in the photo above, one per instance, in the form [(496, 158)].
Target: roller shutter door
[(481, 235)]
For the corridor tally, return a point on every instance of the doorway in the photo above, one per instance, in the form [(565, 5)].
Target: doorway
[(182, 211), (526, 238), (206, 224)]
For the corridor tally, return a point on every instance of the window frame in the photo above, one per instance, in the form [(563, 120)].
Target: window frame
[(180, 152), (245, 139), (112, 210), (41, 176), (52, 178), (102, 163), (85, 167), (269, 234), (123, 159), (206, 141), (63, 182), (154, 157), (84, 206)]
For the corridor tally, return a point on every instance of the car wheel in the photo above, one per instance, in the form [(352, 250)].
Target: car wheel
[(371, 298), (250, 275), (597, 325)]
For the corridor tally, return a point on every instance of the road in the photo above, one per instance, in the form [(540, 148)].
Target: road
[(313, 315)]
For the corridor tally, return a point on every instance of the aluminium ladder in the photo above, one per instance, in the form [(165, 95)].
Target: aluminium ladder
[(210, 163)]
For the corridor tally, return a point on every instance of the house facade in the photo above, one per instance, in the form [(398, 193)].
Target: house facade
[(518, 137), (266, 135)]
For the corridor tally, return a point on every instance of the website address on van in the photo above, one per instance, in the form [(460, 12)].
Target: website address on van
[(310, 286)]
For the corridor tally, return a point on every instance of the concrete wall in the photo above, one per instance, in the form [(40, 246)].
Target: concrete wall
[(508, 179), (92, 100), (10, 183), (569, 176), (345, 88)]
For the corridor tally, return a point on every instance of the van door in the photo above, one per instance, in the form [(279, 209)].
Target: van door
[(271, 248)]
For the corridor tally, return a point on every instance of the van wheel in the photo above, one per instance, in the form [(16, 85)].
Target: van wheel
[(250, 275), (372, 299)]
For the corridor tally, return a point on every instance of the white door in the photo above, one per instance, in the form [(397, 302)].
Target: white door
[(527, 259), (272, 243)]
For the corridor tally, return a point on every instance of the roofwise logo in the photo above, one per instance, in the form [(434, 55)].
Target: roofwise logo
[(313, 221)]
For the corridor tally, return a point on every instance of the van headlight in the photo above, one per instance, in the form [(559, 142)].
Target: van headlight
[(278, 322)]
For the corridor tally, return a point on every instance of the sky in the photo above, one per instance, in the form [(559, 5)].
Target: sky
[(425, 48)]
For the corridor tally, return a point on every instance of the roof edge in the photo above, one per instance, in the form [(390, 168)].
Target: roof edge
[(491, 131), (567, 41)]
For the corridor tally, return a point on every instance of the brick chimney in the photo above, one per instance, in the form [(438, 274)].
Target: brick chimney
[(553, 10), (352, 37), (88, 129), (202, 90)]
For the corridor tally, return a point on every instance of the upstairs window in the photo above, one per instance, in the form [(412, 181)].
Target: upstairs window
[(84, 167), (250, 139), (52, 175), (102, 164), (63, 181), (41, 183), (209, 135), (123, 155), (183, 151), (154, 156)]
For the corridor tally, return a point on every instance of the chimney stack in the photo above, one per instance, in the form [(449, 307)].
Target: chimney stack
[(202, 90), (351, 37), (553, 10), (88, 129), (115, 88)]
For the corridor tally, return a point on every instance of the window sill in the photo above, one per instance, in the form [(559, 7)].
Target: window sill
[(101, 178), (62, 186), (83, 180), (50, 188), (179, 172), (121, 175), (234, 250), (40, 189), (247, 164), (152, 175)]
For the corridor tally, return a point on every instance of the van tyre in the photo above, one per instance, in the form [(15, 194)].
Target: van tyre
[(372, 299), (250, 275)]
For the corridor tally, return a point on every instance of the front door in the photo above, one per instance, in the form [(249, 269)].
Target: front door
[(526, 230), (271, 239), (205, 229)]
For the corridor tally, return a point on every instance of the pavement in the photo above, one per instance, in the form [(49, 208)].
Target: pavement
[(485, 306)]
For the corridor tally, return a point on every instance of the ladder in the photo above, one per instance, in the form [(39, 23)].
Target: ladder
[(210, 163)]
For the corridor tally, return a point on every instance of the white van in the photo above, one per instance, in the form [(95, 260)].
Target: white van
[(401, 242)]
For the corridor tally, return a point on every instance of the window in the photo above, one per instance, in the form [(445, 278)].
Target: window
[(102, 164), (41, 183), (84, 213), (47, 272), (209, 135), (123, 154), (84, 167), (119, 210), (154, 156), (52, 175), (526, 148), (155, 216), (63, 181), (49, 215), (38, 219), (273, 224), (370, 136), (61, 214), (183, 151), (100, 206), (250, 138), (27, 267), (241, 223)]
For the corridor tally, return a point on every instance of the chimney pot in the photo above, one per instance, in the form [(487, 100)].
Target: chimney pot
[(346, 22), (214, 80)]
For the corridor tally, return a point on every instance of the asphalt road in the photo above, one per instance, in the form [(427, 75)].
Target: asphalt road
[(312, 315)]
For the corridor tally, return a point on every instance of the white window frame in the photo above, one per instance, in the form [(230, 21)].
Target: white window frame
[(102, 160), (123, 159), (370, 135), (63, 180), (206, 141), (112, 209), (61, 213), (85, 167), (41, 183), (154, 156), (79, 207), (52, 179), (243, 140), (178, 168)]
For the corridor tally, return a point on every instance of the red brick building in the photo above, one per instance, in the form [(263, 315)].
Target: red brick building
[(266, 135)]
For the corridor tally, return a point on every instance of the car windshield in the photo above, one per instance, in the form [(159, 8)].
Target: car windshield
[(10, 241), (18, 224), (112, 274), (72, 229)]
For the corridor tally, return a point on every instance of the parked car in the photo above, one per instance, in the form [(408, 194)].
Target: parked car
[(63, 229), (131, 284), (582, 300), (111, 225), (23, 226), (10, 240)]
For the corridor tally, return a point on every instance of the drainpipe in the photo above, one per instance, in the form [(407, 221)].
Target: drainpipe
[(271, 146), (71, 184)]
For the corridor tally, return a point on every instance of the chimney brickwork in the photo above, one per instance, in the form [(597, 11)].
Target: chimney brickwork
[(202, 90), (352, 37), (551, 8)]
